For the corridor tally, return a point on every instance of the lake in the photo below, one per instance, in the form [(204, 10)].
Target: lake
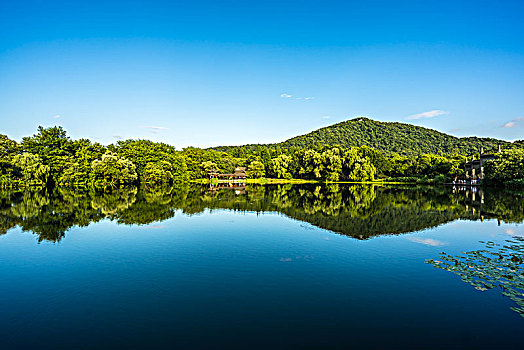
[(280, 266)]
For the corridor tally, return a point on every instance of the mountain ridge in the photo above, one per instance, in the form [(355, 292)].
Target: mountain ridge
[(388, 137)]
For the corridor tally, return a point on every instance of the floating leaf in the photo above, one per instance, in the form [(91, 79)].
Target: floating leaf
[(488, 268)]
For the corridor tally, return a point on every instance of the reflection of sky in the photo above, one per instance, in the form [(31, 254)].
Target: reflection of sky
[(515, 231), (222, 270), (427, 241)]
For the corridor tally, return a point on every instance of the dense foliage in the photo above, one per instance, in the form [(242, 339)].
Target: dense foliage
[(507, 167), (389, 138), (50, 157)]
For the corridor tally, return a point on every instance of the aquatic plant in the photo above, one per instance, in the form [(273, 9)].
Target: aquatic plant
[(497, 266)]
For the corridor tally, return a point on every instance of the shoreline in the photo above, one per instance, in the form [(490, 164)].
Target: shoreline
[(261, 181)]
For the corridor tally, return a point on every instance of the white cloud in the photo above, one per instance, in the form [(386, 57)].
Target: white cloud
[(429, 114), (154, 227), (155, 127), (326, 116), (56, 116), (514, 123), (427, 241), (513, 232), (297, 98)]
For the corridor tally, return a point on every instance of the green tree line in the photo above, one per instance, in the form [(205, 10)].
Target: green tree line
[(51, 158)]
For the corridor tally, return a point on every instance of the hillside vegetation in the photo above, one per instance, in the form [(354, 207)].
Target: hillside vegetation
[(50, 158), (389, 138)]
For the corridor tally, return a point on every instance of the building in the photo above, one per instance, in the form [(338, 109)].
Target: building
[(475, 168), (239, 174)]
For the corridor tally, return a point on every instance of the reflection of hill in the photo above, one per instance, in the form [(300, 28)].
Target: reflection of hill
[(390, 220), (358, 211), (354, 210)]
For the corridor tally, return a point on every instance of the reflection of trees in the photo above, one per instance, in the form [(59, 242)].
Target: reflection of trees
[(30, 204), (8, 220), (507, 206), (363, 211), (152, 204), (360, 211), (49, 215), (115, 201), (493, 267)]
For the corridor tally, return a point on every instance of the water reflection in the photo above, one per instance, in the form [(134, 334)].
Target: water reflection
[(359, 211)]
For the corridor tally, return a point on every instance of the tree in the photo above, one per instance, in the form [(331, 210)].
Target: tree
[(143, 152), (75, 174), (256, 170), (113, 170), (356, 168), (31, 168), (332, 164), (54, 148), (280, 166), (86, 152), (158, 173), (208, 167), (377, 158), (312, 165), (8, 149), (79, 172), (507, 165)]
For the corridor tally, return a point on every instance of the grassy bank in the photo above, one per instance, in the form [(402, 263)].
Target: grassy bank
[(261, 181), (265, 181)]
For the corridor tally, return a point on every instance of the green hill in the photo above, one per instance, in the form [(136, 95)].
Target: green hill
[(388, 137)]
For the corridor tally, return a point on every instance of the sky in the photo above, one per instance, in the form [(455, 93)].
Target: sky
[(209, 73)]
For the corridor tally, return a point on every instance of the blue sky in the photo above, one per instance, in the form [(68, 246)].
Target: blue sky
[(208, 73)]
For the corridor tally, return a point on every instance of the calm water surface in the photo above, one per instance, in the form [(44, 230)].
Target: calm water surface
[(309, 266)]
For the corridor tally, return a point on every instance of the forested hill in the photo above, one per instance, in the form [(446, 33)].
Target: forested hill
[(405, 139)]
